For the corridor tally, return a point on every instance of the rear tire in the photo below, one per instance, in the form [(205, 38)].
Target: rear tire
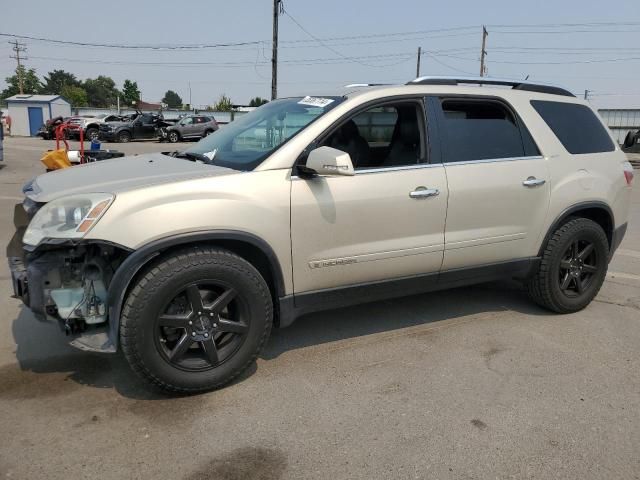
[(124, 137), (573, 267), (175, 337)]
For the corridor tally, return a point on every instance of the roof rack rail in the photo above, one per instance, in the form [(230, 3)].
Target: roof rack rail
[(515, 84), (355, 85)]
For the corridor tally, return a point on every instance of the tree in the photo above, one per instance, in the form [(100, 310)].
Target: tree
[(224, 104), (130, 92), (77, 96), (172, 99), (57, 80), (30, 81), (258, 101), (101, 91)]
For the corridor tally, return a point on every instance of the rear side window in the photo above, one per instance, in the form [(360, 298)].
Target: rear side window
[(482, 130), (576, 126)]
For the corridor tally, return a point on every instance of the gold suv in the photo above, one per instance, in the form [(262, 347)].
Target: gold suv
[(185, 261)]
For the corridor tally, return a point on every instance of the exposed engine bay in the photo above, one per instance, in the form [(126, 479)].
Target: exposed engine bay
[(68, 284)]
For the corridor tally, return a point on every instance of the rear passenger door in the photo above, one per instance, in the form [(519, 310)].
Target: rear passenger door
[(497, 179)]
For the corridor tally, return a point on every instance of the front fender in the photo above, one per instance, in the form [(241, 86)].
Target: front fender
[(127, 271)]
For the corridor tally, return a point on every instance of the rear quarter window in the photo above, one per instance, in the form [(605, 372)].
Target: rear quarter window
[(576, 126)]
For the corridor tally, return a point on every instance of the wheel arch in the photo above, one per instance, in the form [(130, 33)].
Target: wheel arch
[(246, 245), (599, 212)]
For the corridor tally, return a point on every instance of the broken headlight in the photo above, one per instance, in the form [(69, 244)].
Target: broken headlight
[(67, 217)]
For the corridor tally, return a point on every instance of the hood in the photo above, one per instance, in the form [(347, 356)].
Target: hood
[(118, 175)]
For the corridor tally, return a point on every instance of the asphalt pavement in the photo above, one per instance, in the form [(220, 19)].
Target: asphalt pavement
[(471, 383)]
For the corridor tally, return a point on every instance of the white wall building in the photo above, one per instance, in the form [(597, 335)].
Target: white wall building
[(29, 112)]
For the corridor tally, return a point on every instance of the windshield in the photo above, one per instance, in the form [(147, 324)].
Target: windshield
[(246, 142)]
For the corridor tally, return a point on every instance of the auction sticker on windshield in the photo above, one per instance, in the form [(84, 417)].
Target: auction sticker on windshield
[(316, 101)]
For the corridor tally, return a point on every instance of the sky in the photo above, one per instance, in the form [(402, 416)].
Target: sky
[(327, 44)]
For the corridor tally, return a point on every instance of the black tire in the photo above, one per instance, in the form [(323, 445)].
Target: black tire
[(149, 345), (173, 136), (124, 137), (565, 282), (207, 133), (91, 134)]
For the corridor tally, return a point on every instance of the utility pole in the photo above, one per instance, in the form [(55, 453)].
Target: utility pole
[(418, 65), (483, 53), (586, 94), (18, 48), (277, 6)]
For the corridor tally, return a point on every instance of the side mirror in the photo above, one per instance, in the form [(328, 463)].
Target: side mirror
[(329, 161)]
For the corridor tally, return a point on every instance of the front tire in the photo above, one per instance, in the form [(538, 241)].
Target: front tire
[(195, 320), (573, 267), (124, 137)]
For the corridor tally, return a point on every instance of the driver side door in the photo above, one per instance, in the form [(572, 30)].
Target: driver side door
[(384, 223)]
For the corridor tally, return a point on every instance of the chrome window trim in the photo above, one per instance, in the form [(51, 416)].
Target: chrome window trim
[(494, 160), (433, 165), (383, 169), (397, 168)]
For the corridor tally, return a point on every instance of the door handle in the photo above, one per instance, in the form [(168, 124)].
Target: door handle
[(533, 182), (423, 192)]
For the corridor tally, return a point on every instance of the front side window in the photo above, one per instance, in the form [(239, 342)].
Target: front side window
[(186, 121), (245, 143), (479, 130), (576, 126), (383, 136)]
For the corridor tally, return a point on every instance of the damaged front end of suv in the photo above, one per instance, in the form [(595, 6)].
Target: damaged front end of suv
[(57, 274)]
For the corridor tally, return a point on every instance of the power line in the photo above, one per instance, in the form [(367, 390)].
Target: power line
[(321, 42), (132, 47), (302, 61), (557, 25)]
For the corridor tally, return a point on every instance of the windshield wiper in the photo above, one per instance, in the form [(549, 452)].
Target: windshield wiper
[(192, 156)]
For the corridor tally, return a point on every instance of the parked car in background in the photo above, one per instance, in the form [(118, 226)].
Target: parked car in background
[(632, 139), (141, 126), (48, 130), (91, 124), (189, 127)]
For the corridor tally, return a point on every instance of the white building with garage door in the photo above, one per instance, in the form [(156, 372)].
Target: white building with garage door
[(29, 112)]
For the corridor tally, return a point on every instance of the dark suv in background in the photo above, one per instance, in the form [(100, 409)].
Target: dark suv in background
[(190, 127), (142, 126)]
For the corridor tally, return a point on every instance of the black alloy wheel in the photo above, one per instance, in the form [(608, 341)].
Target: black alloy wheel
[(578, 267), (202, 326)]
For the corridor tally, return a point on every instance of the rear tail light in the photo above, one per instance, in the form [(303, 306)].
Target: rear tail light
[(628, 172)]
